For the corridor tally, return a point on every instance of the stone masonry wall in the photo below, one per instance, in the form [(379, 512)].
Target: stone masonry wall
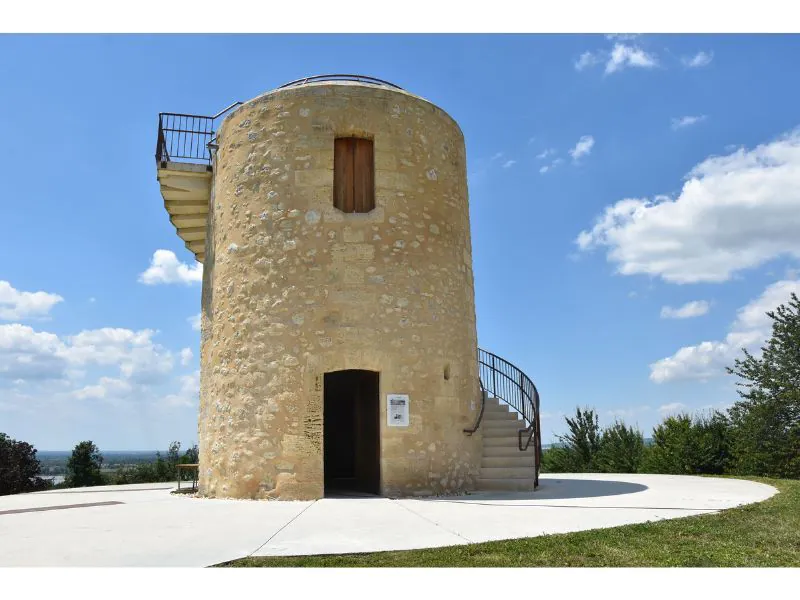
[(293, 288)]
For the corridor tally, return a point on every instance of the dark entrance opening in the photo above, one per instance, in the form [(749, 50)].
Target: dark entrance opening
[(351, 430)]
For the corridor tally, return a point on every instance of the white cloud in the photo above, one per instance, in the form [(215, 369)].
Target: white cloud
[(186, 356), (497, 156), (106, 387), (623, 55), (586, 60), (188, 395), (194, 321), (545, 153), (551, 166), (166, 268), (34, 355), (696, 308), (16, 305), (26, 354), (750, 329), (509, 164), (734, 212), (701, 59), (673, 408), (582, 148), (681, 122)]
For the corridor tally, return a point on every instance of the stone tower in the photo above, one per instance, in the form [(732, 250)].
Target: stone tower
[(338, 345)]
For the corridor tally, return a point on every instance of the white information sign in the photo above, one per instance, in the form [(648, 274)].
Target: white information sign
[(397, 410)]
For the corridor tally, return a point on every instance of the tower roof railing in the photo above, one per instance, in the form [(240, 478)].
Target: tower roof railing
[(340, 77)]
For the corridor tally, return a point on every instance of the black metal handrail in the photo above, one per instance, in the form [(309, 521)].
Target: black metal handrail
[(186, 138), (474, 428), (504, 381), (340, 77)]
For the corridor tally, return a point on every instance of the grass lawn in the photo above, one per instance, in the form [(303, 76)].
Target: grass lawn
[(765, 534)]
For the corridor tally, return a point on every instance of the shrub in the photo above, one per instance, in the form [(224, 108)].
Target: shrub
[(621, 449)]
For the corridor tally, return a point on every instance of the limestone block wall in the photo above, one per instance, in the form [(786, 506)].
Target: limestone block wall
[(293, 288)]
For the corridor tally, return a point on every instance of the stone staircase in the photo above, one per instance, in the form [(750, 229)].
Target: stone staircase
[(503, 466)]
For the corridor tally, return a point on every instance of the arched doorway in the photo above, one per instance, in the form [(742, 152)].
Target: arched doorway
[(351, 432)]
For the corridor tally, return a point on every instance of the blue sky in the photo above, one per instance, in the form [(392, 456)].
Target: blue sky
[(635, 205)]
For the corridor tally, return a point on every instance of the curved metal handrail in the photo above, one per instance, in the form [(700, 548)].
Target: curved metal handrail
[(340, 77), (474, 428), (506, 382)]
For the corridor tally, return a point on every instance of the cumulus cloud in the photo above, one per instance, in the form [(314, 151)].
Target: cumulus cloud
[(186, 356), (701, 59), (27, 354), (189, 392), (106, 387), (696, 308), (509, 163), (734, 212), (750, 330), (166, 268), (545, 153), (194, 321), (681, 122), (624, 56), (16, 305), (582, 148)]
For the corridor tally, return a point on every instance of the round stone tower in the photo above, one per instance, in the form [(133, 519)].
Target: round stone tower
[(338, 344)]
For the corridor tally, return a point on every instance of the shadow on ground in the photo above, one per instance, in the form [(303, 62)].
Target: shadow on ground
[(555, 489)]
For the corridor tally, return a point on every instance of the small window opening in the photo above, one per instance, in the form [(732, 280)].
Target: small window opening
[(353, 175)]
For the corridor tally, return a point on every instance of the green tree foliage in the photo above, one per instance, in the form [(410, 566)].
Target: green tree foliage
[(766, 419), (84, 466), (163, 469), (576, 451), (683, 445), (19, 467), (621, 449)]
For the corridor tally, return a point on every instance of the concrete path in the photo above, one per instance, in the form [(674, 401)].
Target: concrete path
[(145, 525)]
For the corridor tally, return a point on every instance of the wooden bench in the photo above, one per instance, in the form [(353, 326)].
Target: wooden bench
[(195, 473)]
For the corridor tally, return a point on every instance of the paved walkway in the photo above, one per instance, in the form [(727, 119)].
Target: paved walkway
[(145, 525)]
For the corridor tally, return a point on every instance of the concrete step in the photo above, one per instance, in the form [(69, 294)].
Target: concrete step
[(502, 441), (497, 415), (496, 451), (522, 459), (506, 485), (495, 428), (506, 472)]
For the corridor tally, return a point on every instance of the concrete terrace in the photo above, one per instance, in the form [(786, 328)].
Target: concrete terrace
[(146, 525)]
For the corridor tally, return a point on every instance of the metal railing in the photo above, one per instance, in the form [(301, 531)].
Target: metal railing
[(502, 380), (186, 138), (340, 77)]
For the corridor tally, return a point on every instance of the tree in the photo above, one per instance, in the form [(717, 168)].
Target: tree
[(671, 449), (84, 466), (766, 419), (685, 445), (621, 449), (19, 467), (191, 456), (577, 450)]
